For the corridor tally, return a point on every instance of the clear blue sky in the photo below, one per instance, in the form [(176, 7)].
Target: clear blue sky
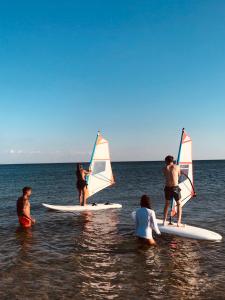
[(137, 70)]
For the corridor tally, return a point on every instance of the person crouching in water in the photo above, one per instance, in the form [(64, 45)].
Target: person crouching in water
[(23, 209), (82, 184), (145, 220)]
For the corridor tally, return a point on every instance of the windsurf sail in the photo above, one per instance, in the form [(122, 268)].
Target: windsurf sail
[(100, 165), (184, 160)]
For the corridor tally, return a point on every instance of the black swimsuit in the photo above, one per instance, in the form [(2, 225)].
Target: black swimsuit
[(81, 183)]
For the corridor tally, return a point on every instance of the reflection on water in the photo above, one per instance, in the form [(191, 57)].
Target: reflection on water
[(25, 239), (94, 255), (97, 263)]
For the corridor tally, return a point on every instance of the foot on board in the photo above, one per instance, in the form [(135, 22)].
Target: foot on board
[(180, 225)]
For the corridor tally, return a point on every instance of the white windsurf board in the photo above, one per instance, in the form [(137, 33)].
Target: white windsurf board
[(77, 208), (188, 231)]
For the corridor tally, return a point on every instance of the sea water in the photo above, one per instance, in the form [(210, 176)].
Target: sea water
[(94, 255)]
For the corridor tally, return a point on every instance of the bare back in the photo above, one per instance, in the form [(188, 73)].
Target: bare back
[(172, 174), (23, 207)]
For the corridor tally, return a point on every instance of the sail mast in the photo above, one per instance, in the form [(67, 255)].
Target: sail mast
[(173, 204), (181, 139), (93, 153)]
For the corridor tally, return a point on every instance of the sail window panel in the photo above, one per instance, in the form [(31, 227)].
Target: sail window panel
[(99, 166), (184, 172)]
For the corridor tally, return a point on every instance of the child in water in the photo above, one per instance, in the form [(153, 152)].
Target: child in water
[(145, 221)]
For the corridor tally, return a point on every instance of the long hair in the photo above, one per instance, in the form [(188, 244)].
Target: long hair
[(145, 202), (79, 167)]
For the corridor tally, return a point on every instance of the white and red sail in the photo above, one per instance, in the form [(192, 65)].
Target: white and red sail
[(100, 165), (184, 160)]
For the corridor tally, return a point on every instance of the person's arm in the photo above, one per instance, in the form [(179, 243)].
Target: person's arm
[(87, 172), (26, 211), (134, 217), (179, 171), (154, 223)]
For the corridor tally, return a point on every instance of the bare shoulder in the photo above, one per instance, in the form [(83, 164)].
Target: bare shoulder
[(177, 167), (26, 202)]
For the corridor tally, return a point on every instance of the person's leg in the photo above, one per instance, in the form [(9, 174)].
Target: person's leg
[(179, 213), (85, 196), (80, 197), (151, 242), (166, 208)]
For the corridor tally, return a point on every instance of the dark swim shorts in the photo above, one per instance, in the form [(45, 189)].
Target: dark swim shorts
[(172, 193)]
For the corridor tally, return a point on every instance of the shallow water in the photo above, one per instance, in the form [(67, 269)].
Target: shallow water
[(94, 255)]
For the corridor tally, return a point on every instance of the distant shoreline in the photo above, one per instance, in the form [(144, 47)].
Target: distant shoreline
[(87, 162)]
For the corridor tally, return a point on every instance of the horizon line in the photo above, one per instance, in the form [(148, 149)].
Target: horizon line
[(86, 162)]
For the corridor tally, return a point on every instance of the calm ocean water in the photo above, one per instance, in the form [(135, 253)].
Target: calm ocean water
[(94, 255)]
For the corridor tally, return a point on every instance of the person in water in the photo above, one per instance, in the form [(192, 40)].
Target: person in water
[(82, 184), (172, 191), (145, 220), (23, 209)]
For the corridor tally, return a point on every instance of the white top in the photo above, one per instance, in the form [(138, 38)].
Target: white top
[(145, 220)]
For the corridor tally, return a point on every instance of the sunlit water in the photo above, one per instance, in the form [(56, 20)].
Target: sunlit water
[(94, 255)]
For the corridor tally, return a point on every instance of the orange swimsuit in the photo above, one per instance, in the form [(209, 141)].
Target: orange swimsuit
[(25, 222)]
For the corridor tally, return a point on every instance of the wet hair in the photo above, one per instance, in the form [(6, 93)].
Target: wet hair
[(79, 167), (145, 201), (169, 159), (26, 189)]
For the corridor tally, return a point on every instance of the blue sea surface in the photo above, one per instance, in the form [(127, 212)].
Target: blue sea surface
[(94, 255)]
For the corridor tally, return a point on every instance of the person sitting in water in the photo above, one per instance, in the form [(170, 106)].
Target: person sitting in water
[(172, 191), (82, 184), (23, 209), (145, 220)]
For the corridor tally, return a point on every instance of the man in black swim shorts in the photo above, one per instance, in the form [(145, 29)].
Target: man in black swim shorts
[(172, 191)]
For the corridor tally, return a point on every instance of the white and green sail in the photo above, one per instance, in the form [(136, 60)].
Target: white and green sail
[(184, 160), (101, 175)]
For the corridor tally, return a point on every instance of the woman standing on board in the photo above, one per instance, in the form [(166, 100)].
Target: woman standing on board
[(82, 184), (145, 220)]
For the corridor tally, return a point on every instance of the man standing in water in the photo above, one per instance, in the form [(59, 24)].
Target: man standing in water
[(172, 191), (23, 209)]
